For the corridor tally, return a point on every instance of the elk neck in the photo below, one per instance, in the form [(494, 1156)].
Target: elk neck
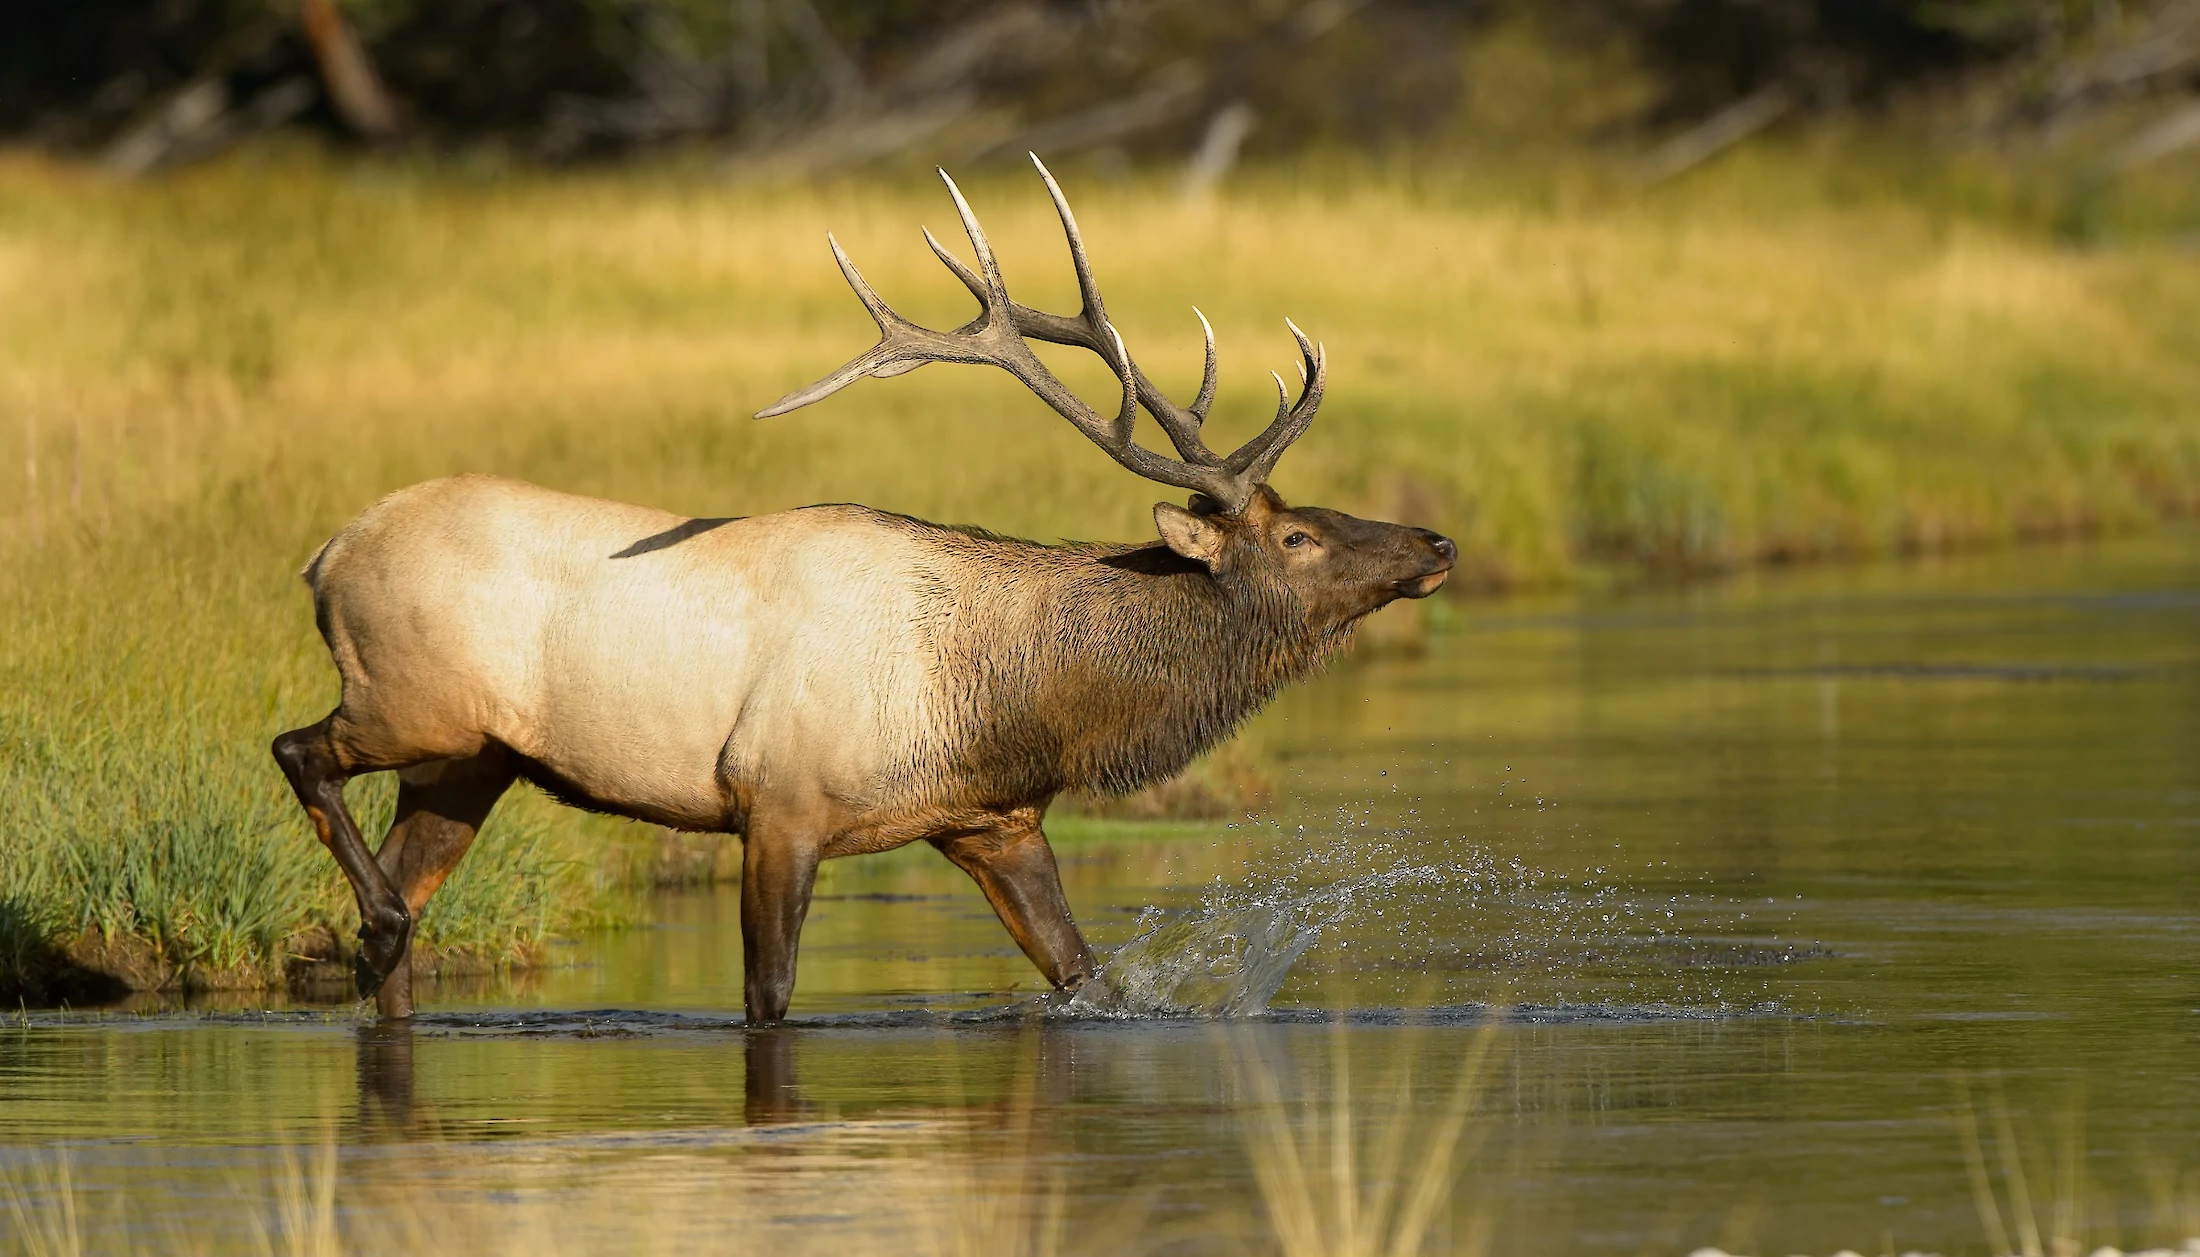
[(1101, 667)]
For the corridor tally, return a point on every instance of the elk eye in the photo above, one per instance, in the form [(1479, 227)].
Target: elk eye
[(1295, 540)]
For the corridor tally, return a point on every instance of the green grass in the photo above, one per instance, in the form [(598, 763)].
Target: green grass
[(1799, 354)]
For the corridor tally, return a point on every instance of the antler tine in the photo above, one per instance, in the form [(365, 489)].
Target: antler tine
[(855, 370), (1306, 350), (1206, 398), (1126, 422), (881, 313), (995, 295), (969, 278), (1179, 425), (1088, 288), (1119, 443), (1254, 460), (887, 358)]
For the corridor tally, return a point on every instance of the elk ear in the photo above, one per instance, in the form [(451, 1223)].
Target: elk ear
[(1264, 503), (1196, 537)]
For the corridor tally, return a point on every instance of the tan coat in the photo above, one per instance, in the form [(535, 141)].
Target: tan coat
[(651, 666)]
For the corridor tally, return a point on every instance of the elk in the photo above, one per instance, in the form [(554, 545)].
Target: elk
[(832, 680)]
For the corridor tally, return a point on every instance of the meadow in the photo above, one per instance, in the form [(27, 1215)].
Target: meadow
[(1806, 353)]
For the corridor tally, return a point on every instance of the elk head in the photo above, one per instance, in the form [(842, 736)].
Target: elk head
[(1339, 568)]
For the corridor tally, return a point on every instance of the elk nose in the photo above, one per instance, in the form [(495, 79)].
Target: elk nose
[(1442, 544)]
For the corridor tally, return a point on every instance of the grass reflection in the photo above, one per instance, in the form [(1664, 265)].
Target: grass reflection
[(1331, 1188)]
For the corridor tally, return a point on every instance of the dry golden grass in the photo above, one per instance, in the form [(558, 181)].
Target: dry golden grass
[(1707, 378)]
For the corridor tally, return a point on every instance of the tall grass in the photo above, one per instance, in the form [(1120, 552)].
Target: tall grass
[(202, 377), (172, 861)]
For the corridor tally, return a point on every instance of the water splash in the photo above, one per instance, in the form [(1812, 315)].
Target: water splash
[(1412, 910), (1229, 956)]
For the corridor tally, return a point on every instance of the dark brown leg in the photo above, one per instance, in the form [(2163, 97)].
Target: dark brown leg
[(318, 768), (778, 869), (440, 807), (1015, 868)]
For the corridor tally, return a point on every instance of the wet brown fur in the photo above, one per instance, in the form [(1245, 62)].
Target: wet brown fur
[(1103, 667)]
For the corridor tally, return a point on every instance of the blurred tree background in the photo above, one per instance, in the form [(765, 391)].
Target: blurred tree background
[(811, 86)]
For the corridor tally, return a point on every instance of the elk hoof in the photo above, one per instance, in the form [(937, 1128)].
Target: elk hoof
[(380, 952)]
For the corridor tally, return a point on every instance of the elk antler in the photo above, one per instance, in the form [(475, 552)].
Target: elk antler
[(997, 337)]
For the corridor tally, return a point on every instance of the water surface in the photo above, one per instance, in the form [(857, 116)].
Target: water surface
[(1762, 888)]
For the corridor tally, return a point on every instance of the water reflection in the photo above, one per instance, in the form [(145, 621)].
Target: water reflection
[(386, 1091), (768, 1080)]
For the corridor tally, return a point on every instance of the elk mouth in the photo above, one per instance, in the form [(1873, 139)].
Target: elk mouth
[(1422, 586)]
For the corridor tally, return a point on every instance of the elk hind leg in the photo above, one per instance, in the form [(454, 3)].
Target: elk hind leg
[(318, 761), (440, 808), (780, 852)]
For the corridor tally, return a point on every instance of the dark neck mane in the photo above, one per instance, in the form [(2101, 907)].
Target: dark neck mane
[(1104, 668)]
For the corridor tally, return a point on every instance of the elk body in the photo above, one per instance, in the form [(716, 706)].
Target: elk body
[(827, 681)]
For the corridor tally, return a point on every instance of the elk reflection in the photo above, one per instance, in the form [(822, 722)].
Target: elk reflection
[(388, 1108), (772, 1094)]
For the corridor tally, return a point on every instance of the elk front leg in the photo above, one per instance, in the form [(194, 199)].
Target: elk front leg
[(440, 807), (779, 858), (1015, 868), (315, 761)]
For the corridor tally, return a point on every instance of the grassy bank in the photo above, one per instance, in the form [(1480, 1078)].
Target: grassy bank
[(1796, 356)]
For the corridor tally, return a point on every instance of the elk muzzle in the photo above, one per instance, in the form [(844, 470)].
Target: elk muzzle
[(1444, 553)]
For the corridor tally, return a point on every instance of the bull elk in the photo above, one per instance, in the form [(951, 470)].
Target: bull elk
[(832, 680)]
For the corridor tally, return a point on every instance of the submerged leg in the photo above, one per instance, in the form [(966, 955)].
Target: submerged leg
[(1014, 866), (779, 857), (315, 760), (440, 807)]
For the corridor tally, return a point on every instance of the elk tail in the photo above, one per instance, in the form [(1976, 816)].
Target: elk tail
[(311, 572)]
